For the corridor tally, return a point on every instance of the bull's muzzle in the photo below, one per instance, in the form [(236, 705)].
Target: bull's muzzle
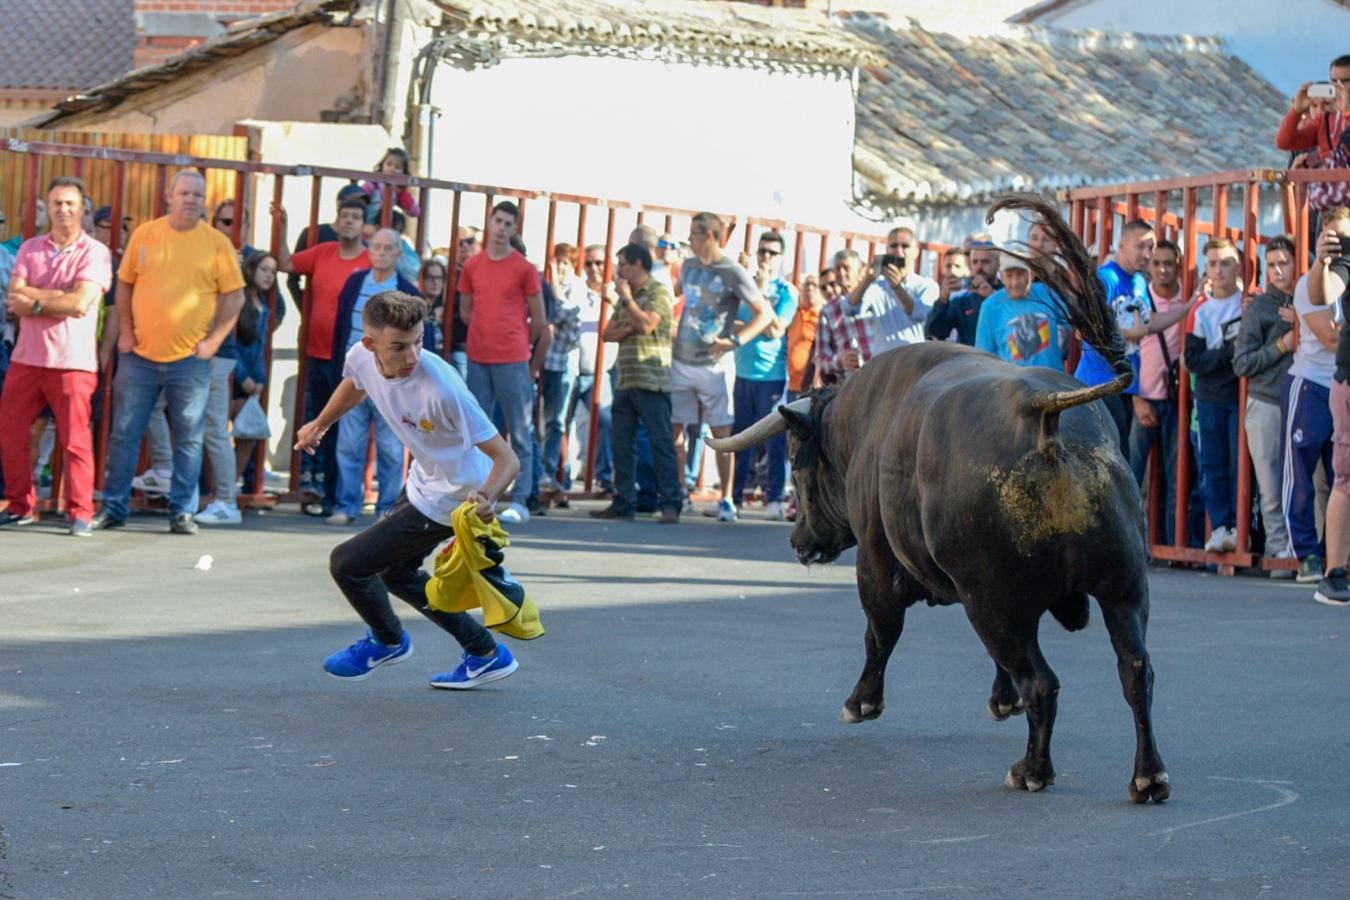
[(769, 426)]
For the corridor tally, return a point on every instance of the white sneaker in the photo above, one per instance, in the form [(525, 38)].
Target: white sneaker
[(726, 511), (1219, 541), (778, 511), (339, 518), (1230, 539), (153, 481), (515, 514), (218, 512)]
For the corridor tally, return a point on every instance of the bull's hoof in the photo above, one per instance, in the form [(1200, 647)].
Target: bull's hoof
[(1146, 788), (853, 713), (1021, 777), (1000, 712)]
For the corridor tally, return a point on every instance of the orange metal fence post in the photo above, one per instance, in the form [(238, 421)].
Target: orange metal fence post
[(306, 312), (1188, 279), (451, 315), (594, 425)]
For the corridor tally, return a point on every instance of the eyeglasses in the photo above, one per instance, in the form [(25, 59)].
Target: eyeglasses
[(665, 244), (766, 251), (595, 262), (224, 221)]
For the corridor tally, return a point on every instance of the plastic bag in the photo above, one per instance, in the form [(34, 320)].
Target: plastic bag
[(251, 422)]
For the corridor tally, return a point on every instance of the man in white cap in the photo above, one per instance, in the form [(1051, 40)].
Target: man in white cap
[(1022, 323)]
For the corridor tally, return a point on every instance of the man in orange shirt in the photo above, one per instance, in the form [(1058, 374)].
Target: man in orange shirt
[(801, 335), (328, 266), (179, 293)]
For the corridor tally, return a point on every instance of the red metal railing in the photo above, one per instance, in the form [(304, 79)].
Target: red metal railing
[(435, 196), (1094, 213)]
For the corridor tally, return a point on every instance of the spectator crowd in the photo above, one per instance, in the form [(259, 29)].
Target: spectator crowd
[(697, 341)]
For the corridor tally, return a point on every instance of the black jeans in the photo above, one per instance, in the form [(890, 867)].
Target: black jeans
[(652, 408), (387, 557)]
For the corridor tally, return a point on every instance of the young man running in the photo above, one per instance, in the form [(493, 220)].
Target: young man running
[(457, 454)]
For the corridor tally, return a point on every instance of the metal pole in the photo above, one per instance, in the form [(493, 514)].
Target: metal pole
[(452, 280), (1181, 531), (594, 429), (302, 367)]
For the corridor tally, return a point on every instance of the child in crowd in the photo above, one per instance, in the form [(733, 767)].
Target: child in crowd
[(1209, 355), (394, 162)]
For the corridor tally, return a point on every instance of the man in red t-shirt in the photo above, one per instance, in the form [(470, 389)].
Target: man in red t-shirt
[(502, 302), (328, 266)]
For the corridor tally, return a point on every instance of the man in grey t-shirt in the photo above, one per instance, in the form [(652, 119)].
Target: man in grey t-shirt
[(702, 369)]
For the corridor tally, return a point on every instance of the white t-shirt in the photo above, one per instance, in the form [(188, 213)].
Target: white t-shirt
[(1312, 360), (435, 417), (890, 326)]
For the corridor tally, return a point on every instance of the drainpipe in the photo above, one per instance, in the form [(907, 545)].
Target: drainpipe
[(387, 63)]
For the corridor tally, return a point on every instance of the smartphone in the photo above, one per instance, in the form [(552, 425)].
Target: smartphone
[(1321, 90), (890, 259), (1345, 245)]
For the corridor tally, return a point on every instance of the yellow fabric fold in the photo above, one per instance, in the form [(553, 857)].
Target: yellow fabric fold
[(465, 577)]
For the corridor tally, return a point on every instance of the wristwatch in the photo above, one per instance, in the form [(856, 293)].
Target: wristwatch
[(37, 308), (734, 338)]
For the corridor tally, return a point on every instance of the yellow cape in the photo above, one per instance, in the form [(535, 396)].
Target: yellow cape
[(466, 576)]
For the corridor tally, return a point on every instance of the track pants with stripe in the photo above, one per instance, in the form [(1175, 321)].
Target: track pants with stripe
[(1305, 423)]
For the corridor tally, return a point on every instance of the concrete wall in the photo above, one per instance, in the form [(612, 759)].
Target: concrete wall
[(293, 78), (1288, 43), (769, 144)]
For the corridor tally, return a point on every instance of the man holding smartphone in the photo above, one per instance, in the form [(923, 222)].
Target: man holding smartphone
[(1314, 120), (1329, 283), (893, 299)]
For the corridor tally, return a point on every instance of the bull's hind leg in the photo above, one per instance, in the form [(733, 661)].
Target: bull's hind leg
[(1012, 644), (886, 591), (1004, 700), (1127, 623)]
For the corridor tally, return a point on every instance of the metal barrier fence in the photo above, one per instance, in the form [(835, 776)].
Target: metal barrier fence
[(1094, 213), (592, 220)]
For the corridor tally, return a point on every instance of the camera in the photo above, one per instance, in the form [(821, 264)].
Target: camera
[(890, 259), (1321, 90)]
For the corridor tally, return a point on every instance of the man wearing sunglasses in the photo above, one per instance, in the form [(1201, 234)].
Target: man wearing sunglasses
[(892, 298), (761, 375)]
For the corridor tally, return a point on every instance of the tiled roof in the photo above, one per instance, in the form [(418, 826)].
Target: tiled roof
[(66, 44), (703, 31), (953, 119), (242, 37)]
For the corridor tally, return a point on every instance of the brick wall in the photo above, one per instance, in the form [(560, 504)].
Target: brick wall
[(167, 27)]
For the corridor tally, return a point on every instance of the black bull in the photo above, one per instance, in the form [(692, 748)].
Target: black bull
[(957, 487)]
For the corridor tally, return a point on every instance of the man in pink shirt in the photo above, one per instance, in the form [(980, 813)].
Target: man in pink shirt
[(54, 291)]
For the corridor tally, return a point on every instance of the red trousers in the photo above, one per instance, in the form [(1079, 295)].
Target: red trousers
[(67, 391)]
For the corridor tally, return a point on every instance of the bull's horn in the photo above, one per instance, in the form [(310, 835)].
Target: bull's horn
[(761, 431)]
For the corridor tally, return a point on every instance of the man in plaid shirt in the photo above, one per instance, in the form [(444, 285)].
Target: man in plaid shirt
[(560, 365), (841, 336)]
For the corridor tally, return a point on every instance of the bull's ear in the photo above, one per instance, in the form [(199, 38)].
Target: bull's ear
[(798, 422)]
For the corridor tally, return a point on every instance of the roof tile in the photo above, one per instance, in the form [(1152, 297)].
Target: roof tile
[(67, 44)]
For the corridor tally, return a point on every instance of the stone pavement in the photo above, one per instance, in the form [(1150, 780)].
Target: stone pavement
[(165, 731)]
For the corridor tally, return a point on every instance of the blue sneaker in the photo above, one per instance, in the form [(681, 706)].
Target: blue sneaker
[(365, 656), (476, 670)]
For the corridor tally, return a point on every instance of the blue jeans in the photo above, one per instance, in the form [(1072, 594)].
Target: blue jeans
[(556, 391), (652, 408), (752, 401), (460, 360), (581, 396), (353, 444), (322, 376), (1218, 460), (186, 384), (1142, 440), (508, 385)]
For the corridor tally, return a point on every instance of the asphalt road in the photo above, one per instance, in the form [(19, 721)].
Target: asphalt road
[(167, 732)]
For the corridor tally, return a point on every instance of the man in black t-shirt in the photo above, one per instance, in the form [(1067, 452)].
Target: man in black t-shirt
[(1329, 282)]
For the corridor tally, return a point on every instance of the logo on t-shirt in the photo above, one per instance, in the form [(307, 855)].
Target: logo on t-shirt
[(426, 426)]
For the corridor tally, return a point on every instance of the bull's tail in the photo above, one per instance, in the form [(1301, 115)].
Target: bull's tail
[(1072, 276)]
